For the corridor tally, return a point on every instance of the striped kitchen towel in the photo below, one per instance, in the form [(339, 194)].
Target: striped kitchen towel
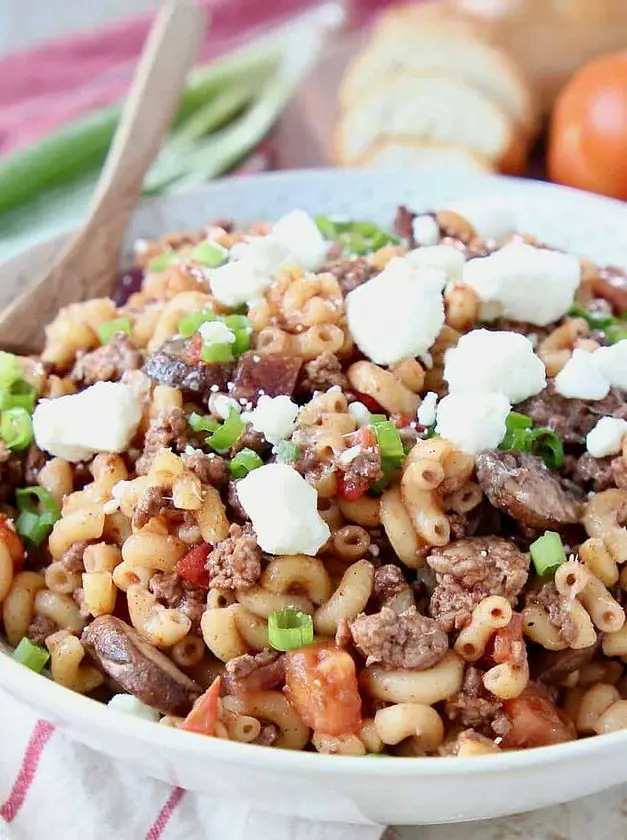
[(53, 787)]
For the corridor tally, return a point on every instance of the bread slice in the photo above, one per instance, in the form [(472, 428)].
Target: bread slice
[(431, 108), (437, 50), (403, 153), (394, 20)]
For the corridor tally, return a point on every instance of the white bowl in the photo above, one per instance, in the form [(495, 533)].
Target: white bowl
[(399, 790)]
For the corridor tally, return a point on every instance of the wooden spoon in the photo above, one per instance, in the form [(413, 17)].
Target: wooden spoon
[(87, 267)]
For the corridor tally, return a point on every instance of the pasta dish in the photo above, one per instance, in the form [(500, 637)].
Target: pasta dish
[(317, 485)]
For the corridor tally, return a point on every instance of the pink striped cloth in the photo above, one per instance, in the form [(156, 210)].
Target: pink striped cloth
[(53, 787), (45, 87), (51, 84)]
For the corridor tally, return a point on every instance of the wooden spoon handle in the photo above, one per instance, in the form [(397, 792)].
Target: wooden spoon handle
[(87, 267), (172, 46)]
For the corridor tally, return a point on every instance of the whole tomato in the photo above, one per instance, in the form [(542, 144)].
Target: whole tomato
[(588, 136)]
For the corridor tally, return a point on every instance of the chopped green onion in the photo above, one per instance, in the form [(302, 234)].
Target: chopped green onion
[(199, 423), (10, 370), (241, 343), (330, 227), (368, 229), (108, 329), (38, 513), (614, 329), (389, 440), (227, 434), (390, 448), (597, 320), (546, 444), (244, 462), (191, 323), (16, 428), (431, 432), (237, 322), (357, 238), (515, 420), (19, 395), (354, 243), (30, 654), (218, 353), (543, 442), (287, 451), (32, 527), (209, 253), (163, 260), (515, 424), (289, 629), (381, 239), (547, 552), (389, 468), (616, 332)]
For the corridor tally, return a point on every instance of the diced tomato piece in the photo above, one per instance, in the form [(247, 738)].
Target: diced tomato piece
[(193, 349), (508, 642), (11, 539), (401, 421), (371, 404), (351, 488), (321, 683), (364, 437), (535, 721), (204, 713), (191, 566)]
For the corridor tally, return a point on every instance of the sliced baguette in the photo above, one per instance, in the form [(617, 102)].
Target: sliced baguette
[(401, 153), (430, 108), (394, 21), (436, 50)]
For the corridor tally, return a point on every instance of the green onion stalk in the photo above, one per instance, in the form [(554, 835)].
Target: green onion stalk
[(212, 96)]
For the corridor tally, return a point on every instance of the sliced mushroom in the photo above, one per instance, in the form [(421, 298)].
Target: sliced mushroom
[(177, 364), (139, 668)]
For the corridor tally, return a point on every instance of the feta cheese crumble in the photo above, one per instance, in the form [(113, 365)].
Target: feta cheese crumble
[(267, 254), (398, 313), (444, 258), (102, 418), (283, 510), (606, 437), (495, 362), (359, 413), (473, 421), (612, 362), (529, 284), (491, 216), (298, 232), (117, 491), (426, 409), (582, 377), (216, 332), (274, 417), (239, 282), (130, 705), (349, 455), (254, 263), (223, 406), (426, 230)]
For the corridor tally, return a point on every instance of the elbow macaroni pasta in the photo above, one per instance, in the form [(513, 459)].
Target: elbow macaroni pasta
[(426, 558)]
